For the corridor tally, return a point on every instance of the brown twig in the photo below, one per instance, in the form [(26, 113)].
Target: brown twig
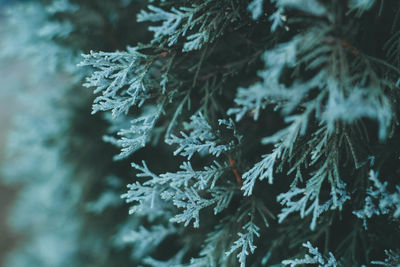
[(349, 46), (238, 177)]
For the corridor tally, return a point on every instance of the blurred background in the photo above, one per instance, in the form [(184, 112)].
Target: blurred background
[(59, 188), (7, 193)]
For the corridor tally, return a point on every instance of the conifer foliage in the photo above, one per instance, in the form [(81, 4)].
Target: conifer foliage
[(261, 133)]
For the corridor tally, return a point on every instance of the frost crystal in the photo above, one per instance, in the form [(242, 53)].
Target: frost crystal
[(314, 257), (378, 200)]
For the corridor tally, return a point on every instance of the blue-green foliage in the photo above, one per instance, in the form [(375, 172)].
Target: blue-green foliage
[(314, 257), (328, 78), (392, 259), (138, 133), (379, 201), (208, 17), (202, 139), (254, 122), (245, 243), (122, 79)]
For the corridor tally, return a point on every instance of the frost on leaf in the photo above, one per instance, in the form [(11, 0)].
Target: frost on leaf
[(284, 141), (245, 243), (378, 200), (201, 139), (178, 23), (307, 200), (120, 77), (193, 191), (192, 203), (187, 189), (309, 203), (257, 96), (145, 195), (137, 135), (323, 54), (264, 169), (313, 257), (392, 259), (199, 180)]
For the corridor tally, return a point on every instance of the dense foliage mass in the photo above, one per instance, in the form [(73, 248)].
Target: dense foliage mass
[(260, 133)]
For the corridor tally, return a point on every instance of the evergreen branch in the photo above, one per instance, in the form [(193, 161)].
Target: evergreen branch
[(314, 257)]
